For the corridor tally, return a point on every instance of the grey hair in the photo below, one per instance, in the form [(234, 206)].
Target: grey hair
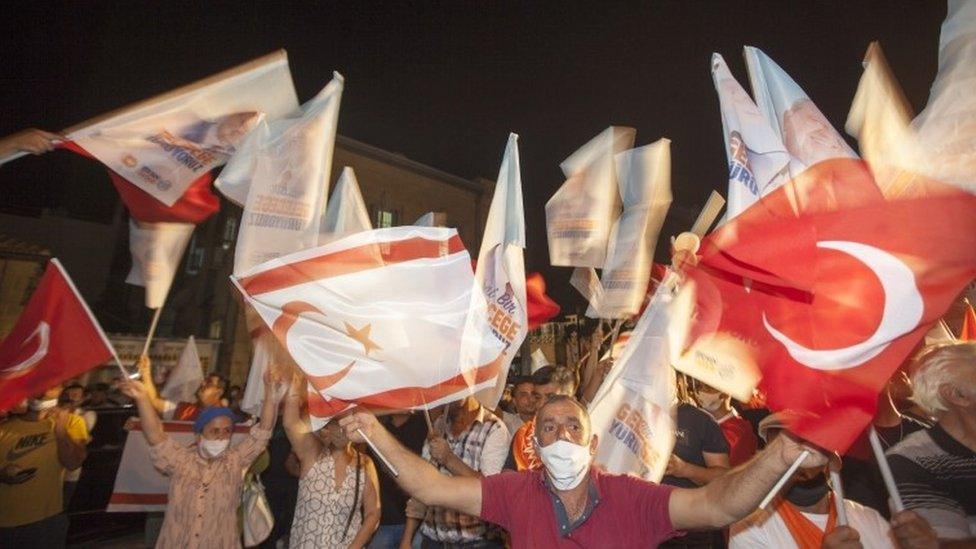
[(938, 365)]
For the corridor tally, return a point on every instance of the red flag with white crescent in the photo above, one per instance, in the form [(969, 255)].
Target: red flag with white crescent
[(831, 301), (56, 338)]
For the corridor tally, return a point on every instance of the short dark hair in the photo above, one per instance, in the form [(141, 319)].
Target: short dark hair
[(74, 385), (520, 380), (560, 375), (560, 398)]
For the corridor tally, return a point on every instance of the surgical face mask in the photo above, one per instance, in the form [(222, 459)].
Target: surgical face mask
[(213, 448), (37, 405), (567, 463), (710, 401), (808, 492)]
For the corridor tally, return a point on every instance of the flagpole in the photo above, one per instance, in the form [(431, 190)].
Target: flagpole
[(152, 331), (782, 480), (838, 487), (389, 466), (889, 479)]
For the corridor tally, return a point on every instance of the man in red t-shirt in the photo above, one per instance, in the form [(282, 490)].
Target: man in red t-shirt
[(737, 431), (569, 503)]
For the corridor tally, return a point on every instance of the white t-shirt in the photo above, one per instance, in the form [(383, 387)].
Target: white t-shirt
[(513, 422), (765, 528)]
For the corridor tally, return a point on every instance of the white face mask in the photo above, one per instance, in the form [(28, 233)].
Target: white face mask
[(213, 448), (36, 405), (566, 463), (711, 401)]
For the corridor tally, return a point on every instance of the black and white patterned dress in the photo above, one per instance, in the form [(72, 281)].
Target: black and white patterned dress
[(323, 509)]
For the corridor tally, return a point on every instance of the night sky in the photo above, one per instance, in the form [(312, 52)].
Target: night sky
[(444, 83)]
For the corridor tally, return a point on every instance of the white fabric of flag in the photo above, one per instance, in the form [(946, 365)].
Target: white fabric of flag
[(186, 377), (802, 128), (431, 219), (880, 120), (157, 249), (632, 413), (587, 283), (164, 144), (346, 213), (378, 319), (757, 158), (284, 168), (644, 179), (500, 274), (581, 213), (946, 127)]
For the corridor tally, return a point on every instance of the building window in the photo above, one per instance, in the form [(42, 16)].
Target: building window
[(385, 218), (194, 260), (230, 231)]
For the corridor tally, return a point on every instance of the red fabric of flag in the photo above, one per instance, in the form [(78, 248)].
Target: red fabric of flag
[(831, 301), (196, 205), (56, 338)]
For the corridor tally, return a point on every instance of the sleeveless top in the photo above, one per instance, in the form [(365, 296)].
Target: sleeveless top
[(323, 509)]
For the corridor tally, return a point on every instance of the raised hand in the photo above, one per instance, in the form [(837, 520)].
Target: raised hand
[(358, 424), (133, 389), (842, 537)]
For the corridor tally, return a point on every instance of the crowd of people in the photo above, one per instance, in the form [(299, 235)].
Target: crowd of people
[(520, 476)]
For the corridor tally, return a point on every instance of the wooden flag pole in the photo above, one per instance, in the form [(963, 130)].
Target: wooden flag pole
[(838, 487), (782, 480), (152, 331), (889, 479), (389, 466)]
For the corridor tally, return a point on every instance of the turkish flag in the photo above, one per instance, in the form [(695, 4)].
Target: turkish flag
[(194, 206), (830, 301), (56, 338), (541, 306)]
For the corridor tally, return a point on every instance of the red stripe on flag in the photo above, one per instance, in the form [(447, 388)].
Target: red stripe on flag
[(403, 398), (352, 260), (120, 498)]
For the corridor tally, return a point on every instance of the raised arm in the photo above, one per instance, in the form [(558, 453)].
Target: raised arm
[(152, 426), (736, 494), (303, 443), (417, 477), (31, 140), (72, 449), (152, 396), (371, 505)]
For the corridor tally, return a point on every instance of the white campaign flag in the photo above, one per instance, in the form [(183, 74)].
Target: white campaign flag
[(880, 119), (346, 212), (378, 319), (184, 380), (632, 411), (500, 273), (285, 167), (157, 249), (581, 213), (801, 126), (757, 158), (946, 127), (164, 144), (644, 178), (587, 283)]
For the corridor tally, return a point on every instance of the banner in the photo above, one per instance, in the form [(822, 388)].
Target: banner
[(157, 249), (164, 144), (581, 213), (283, 170), (644, 177), (757, 158), (139, 487)]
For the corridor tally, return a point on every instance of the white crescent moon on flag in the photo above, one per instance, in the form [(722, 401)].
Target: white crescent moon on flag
[(43, 333), (903, 308)]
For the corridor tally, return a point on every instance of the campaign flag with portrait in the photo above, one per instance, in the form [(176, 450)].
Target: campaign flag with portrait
[(157, 249), (164, 144)]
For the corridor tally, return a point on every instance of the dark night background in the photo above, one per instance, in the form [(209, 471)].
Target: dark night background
[(444, 83)]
